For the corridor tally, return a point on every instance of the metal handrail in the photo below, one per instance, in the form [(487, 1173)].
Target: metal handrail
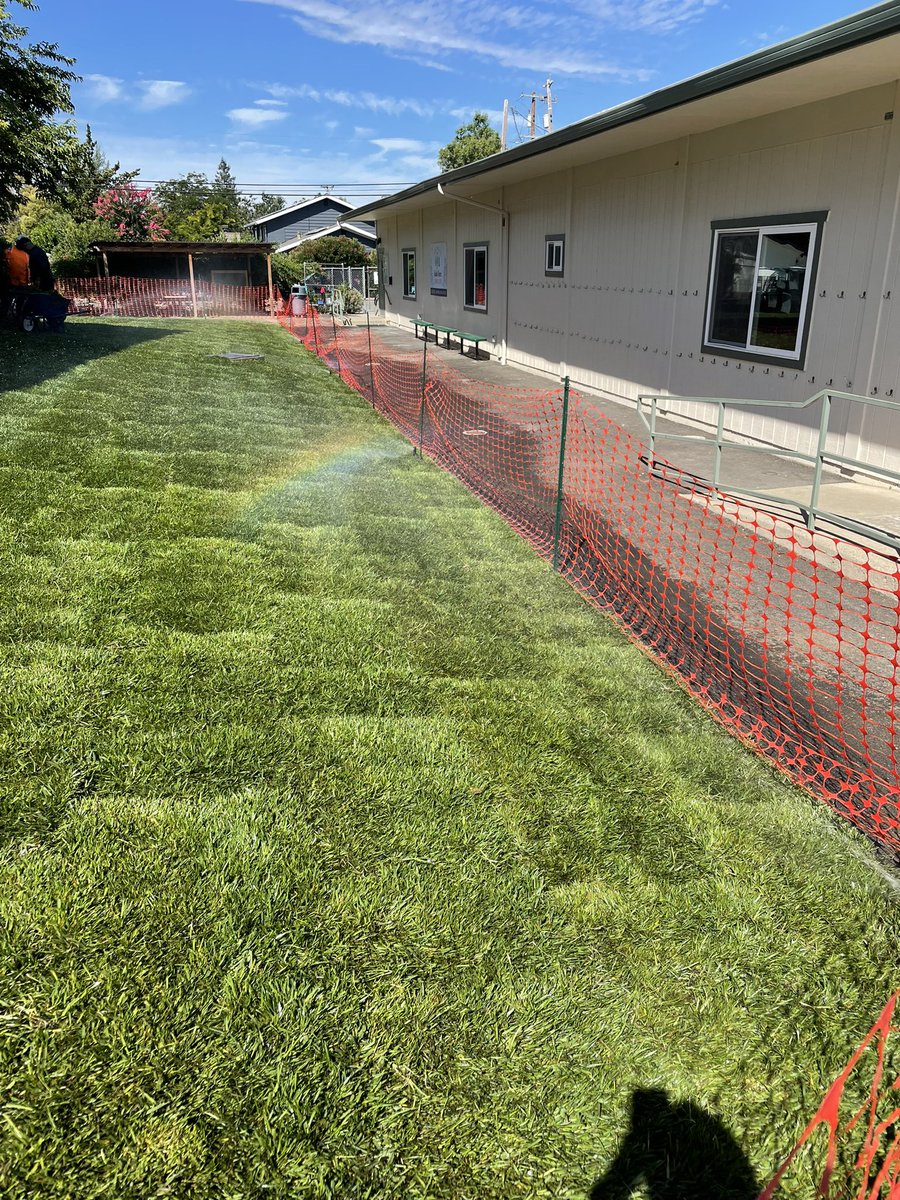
[(809, 512)]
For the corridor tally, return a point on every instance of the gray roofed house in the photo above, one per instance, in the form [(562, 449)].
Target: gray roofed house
[(306, 220)]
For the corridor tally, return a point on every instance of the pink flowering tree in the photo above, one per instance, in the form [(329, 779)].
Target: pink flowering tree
[(133, 213)]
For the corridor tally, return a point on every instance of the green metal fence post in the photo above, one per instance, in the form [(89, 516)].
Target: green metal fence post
[(557, 524), (312, 317), (371, 361), (422, 400)]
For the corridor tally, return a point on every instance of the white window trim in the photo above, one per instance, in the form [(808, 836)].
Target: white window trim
[(406, 256), (474, 247), (555, 240), (799, 223)]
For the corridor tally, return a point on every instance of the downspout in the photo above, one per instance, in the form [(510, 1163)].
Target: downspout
[(504, 254)]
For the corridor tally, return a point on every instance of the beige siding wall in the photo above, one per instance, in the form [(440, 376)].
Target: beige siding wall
[(628, 315), (456, 224)]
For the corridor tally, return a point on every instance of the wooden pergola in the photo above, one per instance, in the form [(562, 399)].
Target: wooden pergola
[(192, 250)]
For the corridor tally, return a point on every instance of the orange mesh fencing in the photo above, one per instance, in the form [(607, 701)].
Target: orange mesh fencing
[(862, 1106), (789, 637), (123, 297)]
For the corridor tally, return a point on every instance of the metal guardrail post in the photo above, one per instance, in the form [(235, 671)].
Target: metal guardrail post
[(820, 459), (717, 464), (557, 523), (422, 399)]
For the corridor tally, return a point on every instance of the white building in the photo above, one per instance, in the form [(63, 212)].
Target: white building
[(735, 235)]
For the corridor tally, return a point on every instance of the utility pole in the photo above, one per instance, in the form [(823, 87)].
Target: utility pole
[(547, 98), (531, 114), (505, 124)]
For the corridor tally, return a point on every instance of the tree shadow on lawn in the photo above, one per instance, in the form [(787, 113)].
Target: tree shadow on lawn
[(679, 1152), (29, 359)]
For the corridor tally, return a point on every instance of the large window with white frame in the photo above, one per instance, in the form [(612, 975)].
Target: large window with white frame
[(475, 283), (409, 274), (760, 290)]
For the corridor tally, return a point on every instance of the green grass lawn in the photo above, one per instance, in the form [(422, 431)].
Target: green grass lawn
[(346, 852)]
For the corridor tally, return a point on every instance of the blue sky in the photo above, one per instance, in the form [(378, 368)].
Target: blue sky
[(299, 95)]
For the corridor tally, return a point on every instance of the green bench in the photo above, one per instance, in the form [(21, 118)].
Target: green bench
[(425, 326), (448, 332), (475, 339)]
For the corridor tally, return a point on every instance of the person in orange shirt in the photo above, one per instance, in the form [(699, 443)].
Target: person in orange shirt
[(17, 268)]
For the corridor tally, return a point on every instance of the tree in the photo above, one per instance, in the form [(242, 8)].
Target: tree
[(34, 86), (198, 209), (87, 174), (133, 214), (472, 142), (345, 251)]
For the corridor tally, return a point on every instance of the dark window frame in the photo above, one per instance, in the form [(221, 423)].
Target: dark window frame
[(560, 240), (485, 246), (407, 255), (757, 225)]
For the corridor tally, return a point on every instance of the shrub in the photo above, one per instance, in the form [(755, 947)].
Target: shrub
[(352, 299)]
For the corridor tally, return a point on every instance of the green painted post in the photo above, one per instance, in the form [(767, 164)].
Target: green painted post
[(422, 401), (371, 362), (312, 317), (557, 524)]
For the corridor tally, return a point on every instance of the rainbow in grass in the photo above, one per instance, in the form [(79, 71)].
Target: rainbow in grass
[(344, 454)]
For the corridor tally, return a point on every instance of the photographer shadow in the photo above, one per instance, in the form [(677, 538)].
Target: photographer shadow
[(678, 1152)]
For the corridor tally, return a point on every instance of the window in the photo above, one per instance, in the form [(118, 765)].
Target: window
[(760, 286), (554, 254), (409, 274), (475, 293)]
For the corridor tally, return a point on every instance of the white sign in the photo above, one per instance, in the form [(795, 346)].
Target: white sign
[(439, 268)]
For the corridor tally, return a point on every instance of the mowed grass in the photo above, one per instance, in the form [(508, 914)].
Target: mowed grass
[(346, 852)]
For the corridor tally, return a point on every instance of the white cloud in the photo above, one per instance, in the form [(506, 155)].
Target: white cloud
[(391, 105), (256, 116), (568, 41), (103, 88), (394, 145), (161, 93)]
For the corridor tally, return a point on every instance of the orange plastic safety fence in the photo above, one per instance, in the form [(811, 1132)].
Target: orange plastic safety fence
[(873, 1171), (123, 297), (789, 637)]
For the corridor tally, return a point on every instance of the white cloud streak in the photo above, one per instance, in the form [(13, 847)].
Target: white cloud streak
[(565, 40), (162, 93), (257, 116), (103, 89)]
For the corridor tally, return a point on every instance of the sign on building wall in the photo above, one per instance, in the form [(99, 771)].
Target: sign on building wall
[(439, 268)]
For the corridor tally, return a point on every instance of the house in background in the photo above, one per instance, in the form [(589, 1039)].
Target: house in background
[(322, 216), (735, 235)]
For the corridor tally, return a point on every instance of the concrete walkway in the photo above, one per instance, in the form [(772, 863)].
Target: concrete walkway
[(781, 477)]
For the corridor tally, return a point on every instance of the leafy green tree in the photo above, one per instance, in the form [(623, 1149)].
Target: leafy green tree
[(66, 239), (87, 173), (335, 250), (207, 223), (199, 209), (472, 142), (267, 203), (34, 86)]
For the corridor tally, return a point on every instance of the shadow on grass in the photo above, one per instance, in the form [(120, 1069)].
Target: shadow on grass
[(29, 359), (678, 1152)]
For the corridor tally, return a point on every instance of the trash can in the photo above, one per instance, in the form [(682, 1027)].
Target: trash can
[(298, 300)]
